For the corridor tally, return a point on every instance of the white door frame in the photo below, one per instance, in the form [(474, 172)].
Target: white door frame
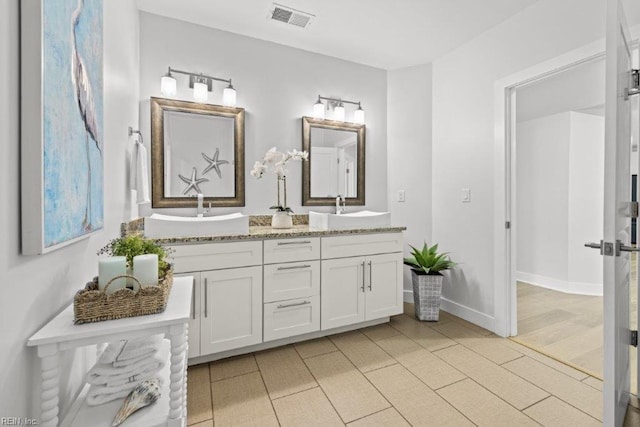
[(505, 312), (505, 303)]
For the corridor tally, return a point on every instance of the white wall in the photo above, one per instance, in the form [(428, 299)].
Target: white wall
[(542, 186), (409, 153), (277, 85), (579, 88), (463, 132), (559, 186), (586, 202), (33, 289)]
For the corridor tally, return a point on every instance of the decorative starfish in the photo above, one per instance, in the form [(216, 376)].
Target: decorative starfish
[(214, 163), (194, 182)]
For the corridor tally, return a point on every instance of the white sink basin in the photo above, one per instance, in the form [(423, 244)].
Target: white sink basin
[(361, 219), (158, 225)]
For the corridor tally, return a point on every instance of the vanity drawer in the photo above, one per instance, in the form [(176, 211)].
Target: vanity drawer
[(215, 256), (289, 318), (291, 250), (291, 280), (361, 244)]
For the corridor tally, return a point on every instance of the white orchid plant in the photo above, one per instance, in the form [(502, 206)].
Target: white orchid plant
[(275, 161)]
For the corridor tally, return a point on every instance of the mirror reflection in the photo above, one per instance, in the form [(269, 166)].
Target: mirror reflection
[(196, 149), (199, 155), (336, 162)]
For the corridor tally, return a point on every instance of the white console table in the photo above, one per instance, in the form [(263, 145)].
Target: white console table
[(61, 334)]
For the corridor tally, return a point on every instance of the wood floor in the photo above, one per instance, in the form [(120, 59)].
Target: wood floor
[(568, 327), (402, 373)]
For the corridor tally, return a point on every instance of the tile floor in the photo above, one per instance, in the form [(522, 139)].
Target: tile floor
[(406, 372)]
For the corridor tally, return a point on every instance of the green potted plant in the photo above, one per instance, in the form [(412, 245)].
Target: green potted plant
[(132, 246), (426, 266)]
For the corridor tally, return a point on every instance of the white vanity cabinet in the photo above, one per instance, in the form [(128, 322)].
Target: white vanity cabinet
[(361, 278), (227, 307), (254, 294), (291, 287), (231, 309)]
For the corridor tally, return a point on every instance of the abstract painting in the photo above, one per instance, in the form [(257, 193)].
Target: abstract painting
[(71, 120)]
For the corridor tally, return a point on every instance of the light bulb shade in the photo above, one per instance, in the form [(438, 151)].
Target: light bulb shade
[(168, 86), (200, 92), (358, 116), (318, 110), (229, 97), (338, 113)]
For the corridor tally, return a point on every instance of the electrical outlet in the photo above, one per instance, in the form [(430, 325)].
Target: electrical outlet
[(466, 195), (401, 195)]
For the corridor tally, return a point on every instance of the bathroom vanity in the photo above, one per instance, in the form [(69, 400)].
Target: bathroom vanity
[(272, 287)]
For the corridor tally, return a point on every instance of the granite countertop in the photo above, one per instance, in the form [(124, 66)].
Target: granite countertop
[(259, 229), (266, 232)]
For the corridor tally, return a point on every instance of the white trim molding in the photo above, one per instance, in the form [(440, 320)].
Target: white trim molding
[(462, 311), (579, 288)]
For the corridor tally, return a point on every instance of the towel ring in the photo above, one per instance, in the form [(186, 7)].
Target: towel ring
[(132, 131)]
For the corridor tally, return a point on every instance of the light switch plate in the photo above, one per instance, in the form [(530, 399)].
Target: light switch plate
[(401, 195), (466, 195)]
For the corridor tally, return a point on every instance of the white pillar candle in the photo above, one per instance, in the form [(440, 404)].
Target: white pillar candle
[(111, 267), (145, 268)]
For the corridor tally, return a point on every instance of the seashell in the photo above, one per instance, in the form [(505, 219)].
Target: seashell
[(145, 394)]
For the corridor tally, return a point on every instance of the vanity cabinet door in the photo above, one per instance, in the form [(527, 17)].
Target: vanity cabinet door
[(384, 285), (231, 313), (194, 320), (342, 292)]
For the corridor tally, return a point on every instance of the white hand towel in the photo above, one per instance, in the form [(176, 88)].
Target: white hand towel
[(139, 173), (99, 394), (124, 350), (98, 399), (105, 374)]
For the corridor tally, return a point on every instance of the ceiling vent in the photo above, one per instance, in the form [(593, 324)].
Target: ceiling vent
[(290, 16)]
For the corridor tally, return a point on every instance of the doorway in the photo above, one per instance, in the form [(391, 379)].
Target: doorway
[(557, 180)]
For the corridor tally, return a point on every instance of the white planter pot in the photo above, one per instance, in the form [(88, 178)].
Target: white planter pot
[(281, 220), (427, 290)]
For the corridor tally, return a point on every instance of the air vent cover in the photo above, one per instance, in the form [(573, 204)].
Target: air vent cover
[(291, 16)]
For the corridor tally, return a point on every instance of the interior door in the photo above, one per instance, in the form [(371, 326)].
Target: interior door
[(616, 220)]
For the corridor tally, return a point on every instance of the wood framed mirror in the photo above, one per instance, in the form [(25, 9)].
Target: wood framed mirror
[(196, 148), (336, 165)]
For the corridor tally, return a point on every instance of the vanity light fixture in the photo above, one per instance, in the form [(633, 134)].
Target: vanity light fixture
[(201, 85), (200, 90), (358, 115), (338, 112), (318, 109), (338, 109)]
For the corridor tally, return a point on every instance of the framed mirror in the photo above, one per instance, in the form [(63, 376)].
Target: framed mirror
[(196, 148), (336, 162)]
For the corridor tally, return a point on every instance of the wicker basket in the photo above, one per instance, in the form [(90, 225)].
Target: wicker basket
[(427, 289), (93, 305)]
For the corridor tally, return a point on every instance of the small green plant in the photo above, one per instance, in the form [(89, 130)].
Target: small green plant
[(132, 246), (428, 260)]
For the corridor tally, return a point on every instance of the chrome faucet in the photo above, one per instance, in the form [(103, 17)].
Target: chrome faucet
[(200, 213), (340, 204)]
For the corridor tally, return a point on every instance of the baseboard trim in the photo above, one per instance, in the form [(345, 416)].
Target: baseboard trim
[(578, 288), (469, 314), (407, 296), (462, 311)]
